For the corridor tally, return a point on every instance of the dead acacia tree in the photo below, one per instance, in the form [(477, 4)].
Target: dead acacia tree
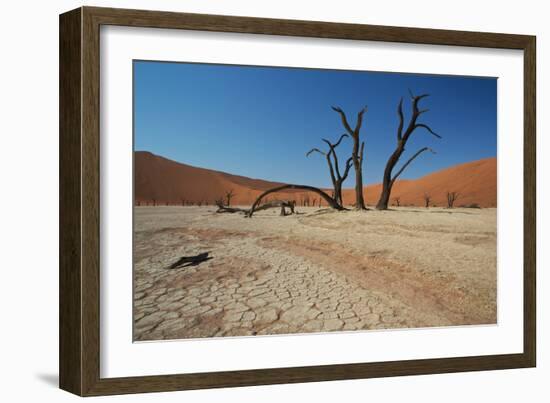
[(427, 200), (452, 197), (229, 194), (330, 201), (397, 201), (356, 154), (402, 137), (333, 166)]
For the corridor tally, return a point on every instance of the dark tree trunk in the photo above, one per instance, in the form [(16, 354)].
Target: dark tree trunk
[(358, 166), (356, 155), (388, 180)]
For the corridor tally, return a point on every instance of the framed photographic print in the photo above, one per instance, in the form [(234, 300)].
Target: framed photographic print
[(251, 201)]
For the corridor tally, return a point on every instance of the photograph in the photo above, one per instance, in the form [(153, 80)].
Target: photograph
[(273, 200)]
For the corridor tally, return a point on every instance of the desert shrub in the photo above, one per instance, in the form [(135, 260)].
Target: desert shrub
[(471, 205)]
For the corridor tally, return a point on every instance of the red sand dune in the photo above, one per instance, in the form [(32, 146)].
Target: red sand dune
[(166, 181), (476, 182)]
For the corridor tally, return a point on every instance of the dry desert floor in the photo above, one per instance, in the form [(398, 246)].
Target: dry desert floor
[(317, 271)]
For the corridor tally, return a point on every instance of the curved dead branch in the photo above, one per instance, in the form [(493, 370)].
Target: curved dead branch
[(425, 126), (344, 119), (331, 202), (329, 162), (411, 160), (315, 150)]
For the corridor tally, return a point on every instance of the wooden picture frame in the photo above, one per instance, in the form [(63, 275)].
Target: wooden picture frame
[(79, 346)]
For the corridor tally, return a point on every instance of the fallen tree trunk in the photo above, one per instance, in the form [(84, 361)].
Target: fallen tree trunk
[(283, 204), (226, 209), (331, 202)]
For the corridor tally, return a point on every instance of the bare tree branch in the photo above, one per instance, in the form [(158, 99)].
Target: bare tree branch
[(329, 162), (334, 168), (400, 114), (344, 119), (359, 121), (315, 150), (337, 143), (411, 160), (428, 128), (349, 164)]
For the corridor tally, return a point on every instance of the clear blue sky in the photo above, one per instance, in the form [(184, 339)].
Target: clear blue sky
[(260, 121)]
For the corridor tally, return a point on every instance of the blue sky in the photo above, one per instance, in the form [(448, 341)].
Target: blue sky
[(260, 121)]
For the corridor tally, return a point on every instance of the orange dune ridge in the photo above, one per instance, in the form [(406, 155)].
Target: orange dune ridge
[(164, 181)]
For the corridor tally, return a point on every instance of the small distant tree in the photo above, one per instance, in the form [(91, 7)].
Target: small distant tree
[(228, 196), (154, 202), (138, 203), (452, 197), (427, 200), (183, 202), (397, 201)]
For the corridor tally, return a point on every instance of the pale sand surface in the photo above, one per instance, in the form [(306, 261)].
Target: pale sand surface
[(318, 271)]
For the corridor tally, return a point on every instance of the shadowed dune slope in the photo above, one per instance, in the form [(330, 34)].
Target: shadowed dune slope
[(166, 181)]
